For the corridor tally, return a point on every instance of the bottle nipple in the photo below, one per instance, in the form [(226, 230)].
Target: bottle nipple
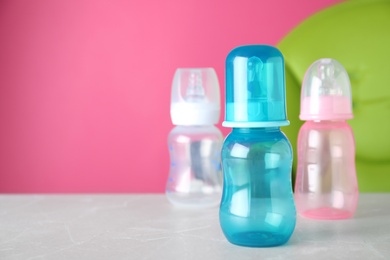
[(195, 91), (255, 66), (326, 74)]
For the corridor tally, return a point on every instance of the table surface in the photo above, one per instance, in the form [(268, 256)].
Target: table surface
[(149, 227)]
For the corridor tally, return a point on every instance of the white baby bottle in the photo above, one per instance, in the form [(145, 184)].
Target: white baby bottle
[(195, 176)]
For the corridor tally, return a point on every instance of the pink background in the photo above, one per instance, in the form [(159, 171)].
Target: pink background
[(85, 85)]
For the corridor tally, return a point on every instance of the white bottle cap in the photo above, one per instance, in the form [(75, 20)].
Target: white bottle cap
[(195, 98)]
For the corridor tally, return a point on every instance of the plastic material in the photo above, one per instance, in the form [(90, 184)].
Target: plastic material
[(255, 95), (326, 184), (195, 97), (355, 33), (195, 177), (326, 92), (257, 207)]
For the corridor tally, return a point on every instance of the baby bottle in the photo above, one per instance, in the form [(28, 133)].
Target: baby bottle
[(257, 207), (195, 177), (326, 184)]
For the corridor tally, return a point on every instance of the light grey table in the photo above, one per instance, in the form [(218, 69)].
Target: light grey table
[(148, 227)]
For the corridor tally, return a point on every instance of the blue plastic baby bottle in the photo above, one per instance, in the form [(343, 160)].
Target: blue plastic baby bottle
[(257, 207)]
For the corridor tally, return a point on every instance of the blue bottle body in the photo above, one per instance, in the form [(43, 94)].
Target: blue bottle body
[(257, 207)]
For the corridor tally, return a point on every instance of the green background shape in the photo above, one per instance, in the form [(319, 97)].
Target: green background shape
[(357, 34)]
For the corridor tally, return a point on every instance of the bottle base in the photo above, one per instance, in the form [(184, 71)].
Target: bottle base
[(194, 200), (327, 213), (257, 239)]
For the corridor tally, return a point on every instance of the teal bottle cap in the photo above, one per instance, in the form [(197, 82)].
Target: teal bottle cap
[(255, 87)]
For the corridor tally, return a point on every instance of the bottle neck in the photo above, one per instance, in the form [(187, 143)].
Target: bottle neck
[(256, 130), (194, 126), (328, 121)]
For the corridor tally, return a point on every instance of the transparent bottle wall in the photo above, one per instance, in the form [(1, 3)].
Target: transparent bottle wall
[(195, 177), (257, 207), (326, 183)]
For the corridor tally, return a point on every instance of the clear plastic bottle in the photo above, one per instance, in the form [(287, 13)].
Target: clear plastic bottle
[(195, 177), (326, 184), (257, 207)]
